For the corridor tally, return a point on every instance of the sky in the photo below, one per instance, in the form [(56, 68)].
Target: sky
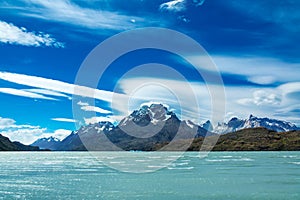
[(43, 44)]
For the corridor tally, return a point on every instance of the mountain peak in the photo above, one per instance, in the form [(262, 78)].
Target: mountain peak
[(252, 116), (208, 126), (148, 113)]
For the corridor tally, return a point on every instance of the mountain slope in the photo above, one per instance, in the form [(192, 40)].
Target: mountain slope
[(254, 139), (7, 145)]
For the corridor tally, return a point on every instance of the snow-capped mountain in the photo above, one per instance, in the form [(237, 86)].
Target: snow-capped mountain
[(150, 124), (47, 143), (236, 124)]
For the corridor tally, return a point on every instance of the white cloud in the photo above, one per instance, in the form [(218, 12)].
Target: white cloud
[(82, 103), (86, 107), (25, 133), (94, 120), (263, 80), (173, 6), (59, 133), (290, 87), (95, 109), (22, 133), (262, 98), (11, 34), (66, 11), (22, 93), (6, 122), (58, 86), (64, 120)]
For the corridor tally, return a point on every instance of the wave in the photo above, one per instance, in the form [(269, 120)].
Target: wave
[(180, 168), (229, 160), (295, 163)]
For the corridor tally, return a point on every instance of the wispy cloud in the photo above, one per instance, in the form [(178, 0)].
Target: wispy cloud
[(64, 120), (173, 6), (260, 70), (22, 93), (47, 92), (82, 103), (180, 6), (69, 12), (11, 34), (95, 109)]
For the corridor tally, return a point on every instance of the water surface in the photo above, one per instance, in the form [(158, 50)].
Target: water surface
[(79, 175)]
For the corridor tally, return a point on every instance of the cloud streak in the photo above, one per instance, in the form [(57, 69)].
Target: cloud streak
[(53, 85), (64, 120), (65, 11), (11, 34), (95, 109), (47, 92), (22, 93)]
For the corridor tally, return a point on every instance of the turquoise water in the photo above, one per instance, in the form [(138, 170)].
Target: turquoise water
[(79, 175)]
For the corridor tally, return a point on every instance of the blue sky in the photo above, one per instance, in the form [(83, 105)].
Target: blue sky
[(43, 44)]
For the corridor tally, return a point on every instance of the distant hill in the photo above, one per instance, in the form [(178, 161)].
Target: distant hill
[(7, 145), (254, 139)]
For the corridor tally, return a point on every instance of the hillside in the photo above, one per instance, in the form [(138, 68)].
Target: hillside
[(254, 139), (7, 145)]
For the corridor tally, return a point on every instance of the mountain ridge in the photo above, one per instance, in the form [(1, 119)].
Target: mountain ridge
[(149, 126), (235, 124)]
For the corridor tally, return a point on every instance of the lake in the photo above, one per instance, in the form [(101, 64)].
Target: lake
[(157, 175)]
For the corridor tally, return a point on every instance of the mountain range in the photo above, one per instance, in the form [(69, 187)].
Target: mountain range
[(149, 127), (235, 124)]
